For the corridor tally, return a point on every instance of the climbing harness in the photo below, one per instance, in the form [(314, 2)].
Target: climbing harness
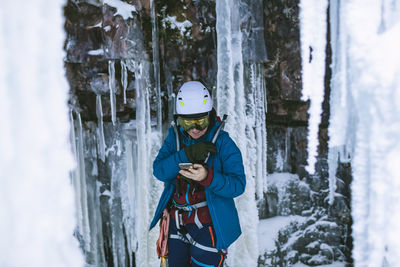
[(190, 208), (184, 236)]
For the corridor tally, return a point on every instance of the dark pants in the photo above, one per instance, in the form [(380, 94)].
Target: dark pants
[(184, 254)]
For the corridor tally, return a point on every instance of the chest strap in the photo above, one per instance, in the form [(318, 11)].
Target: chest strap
[(189, 207)]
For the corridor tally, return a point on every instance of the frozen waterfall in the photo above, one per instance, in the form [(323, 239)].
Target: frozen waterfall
[(128, 150), (36, 197), (364, 122), (370, 91), (92, 185)]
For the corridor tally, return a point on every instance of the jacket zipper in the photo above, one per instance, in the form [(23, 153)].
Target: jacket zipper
[(220, 238)]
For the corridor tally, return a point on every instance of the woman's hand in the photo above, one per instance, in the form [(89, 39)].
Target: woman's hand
[(198, 173)]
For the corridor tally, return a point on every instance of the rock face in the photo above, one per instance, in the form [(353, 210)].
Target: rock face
[(104, 44)]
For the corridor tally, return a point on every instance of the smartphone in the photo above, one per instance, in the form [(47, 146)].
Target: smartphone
[(185, 166)]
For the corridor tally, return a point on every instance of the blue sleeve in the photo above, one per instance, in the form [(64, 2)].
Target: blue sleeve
[(166, 164), (229, 182)]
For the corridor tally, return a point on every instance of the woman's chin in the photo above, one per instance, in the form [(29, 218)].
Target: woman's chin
[(196, 134)]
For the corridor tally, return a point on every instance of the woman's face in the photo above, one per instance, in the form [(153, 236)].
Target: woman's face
[(196, 134)]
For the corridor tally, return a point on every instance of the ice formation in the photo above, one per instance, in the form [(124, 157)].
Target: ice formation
[(36, 197), (313, 21), (364, 125), (246, 120)]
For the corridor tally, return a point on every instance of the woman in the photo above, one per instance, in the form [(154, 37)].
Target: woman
[(204, 219)]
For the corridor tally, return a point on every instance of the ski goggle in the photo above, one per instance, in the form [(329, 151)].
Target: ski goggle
[(197, 123)]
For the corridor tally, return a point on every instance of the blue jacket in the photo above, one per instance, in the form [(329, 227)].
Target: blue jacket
[(228, 181)]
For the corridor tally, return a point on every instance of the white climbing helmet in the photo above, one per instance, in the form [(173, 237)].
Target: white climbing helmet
[(193, 98)]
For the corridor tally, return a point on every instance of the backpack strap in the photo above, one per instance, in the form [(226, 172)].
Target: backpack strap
[(176, 131), (214, 139)]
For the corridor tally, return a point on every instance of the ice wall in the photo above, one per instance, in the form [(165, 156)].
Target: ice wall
[(365, 103), (36, 198), (241, 95)]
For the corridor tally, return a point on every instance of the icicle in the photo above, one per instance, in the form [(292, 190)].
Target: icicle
[(85, 231), (231, 100), (124, 78), (130, 196), (100, 134), (117, 234), (287, 145), (156, 65), (225, 99), (279, 161), (100, 257), (75, 178), (143, 132), (259, 128), (339, 134), (333, 158), (144, 149), (313, 43), (366, 84), (111, 83)]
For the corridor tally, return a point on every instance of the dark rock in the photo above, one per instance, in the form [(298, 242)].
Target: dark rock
[(292, 257), (317, 260), (327, 251), (304, 258)]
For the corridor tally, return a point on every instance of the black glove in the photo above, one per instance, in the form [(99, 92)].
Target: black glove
[(197, 153)]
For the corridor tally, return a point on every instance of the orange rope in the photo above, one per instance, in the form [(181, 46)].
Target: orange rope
[(162, 242), (212, 236), (222, 257)]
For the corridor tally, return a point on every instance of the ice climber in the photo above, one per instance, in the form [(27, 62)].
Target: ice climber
[(201, 178)]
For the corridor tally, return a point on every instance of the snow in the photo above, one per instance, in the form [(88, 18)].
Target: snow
[(268, 230), (281, 178), (181, 26), (313, 25), (36, 198), (123, 9), (334, 264)]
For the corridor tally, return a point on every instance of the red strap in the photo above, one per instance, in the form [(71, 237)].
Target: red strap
[(162, 241)]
